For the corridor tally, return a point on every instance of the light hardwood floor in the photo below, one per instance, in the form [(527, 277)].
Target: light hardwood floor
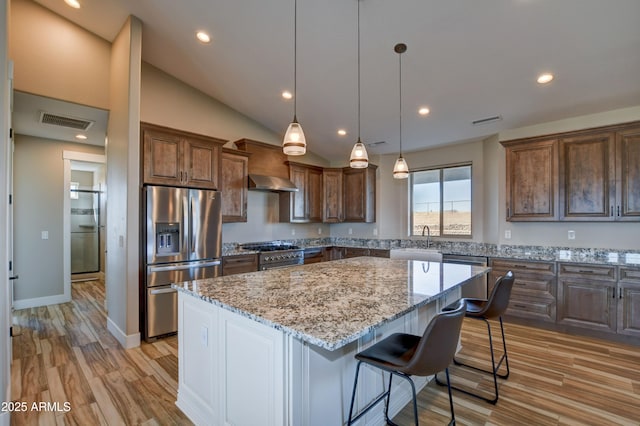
[(64, 353)]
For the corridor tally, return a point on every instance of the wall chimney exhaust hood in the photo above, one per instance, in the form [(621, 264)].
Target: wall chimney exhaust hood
[(268, 169), (271, 183)]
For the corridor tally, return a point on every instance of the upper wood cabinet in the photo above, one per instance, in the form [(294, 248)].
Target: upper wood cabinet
[(177, 158), (234, 184), (590, 175), (628, 174), (532, 180), (304, 205), (333, 199), (359, 186), (587, 172)]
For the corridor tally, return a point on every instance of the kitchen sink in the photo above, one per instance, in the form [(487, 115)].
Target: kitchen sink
[(430, 255)]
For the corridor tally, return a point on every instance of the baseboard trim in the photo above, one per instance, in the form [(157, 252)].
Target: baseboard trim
[(41, 301), (127, 341)]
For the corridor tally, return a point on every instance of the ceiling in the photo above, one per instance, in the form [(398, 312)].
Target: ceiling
[(466, 60)]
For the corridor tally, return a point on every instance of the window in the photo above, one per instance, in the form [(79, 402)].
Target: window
[(441, 200)]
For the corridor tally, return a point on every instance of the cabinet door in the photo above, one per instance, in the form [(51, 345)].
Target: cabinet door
[(298, 200), (629, 301), (628, 174), (239, 264), (587, 177), (314, 195), (359, 186), (532, 176), (233, 175), (332, 188), (162, 162), (201, 163), (587, 303)]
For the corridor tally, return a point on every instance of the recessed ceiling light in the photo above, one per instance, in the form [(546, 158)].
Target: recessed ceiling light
[(424, 111), (287, 94), (203, 37), (73, 3), (342, 132), (81, 136), (545, 78)]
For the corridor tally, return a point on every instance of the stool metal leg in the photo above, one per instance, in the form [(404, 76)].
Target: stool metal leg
[(495, 367)]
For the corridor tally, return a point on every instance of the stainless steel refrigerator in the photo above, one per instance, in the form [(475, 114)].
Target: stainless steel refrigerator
[(183, 242)]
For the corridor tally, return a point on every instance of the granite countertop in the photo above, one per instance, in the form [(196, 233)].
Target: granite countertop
[(331, 304)]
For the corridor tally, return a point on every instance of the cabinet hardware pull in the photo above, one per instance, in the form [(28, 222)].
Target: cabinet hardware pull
[(613, 292), (611, 211), (620, 293), (520, 306), (618, 211), (585, 271)]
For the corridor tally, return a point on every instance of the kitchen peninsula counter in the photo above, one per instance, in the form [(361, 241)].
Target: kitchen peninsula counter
[(282, 341)]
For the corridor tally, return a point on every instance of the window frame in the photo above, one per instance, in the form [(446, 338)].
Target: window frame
[(441, 169)]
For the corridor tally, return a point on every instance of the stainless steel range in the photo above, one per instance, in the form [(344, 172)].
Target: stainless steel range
[(276, 254)]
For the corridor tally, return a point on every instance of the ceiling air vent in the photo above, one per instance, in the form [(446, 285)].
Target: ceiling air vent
[(374, 144), (63, 121), (487, 120)]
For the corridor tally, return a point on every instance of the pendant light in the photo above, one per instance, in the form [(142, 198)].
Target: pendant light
[(359, 158), (294, 142), (400, 169)]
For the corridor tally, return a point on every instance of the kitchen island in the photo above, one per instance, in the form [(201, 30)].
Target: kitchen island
[(277, 347)]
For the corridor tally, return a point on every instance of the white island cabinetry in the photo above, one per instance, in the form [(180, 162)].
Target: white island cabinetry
[(277, 347)]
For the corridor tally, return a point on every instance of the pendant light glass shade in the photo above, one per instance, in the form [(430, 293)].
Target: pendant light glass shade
[(294, 142), (400, 169), (359, 158)]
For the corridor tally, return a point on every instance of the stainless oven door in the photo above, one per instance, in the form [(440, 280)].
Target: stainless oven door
[(162, 311)]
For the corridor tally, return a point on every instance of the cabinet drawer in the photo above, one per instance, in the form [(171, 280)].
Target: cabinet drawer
[(628, 274), (534, 288), (314, 255), (355, 252), (239, 264), (539, 308), (379, 253), (523, 266), (606, 273)]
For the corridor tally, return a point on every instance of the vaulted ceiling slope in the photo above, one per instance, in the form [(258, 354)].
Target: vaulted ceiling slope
[(466, 60)]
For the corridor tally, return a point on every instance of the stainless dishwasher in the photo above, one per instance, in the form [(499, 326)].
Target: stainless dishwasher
[(478, 287)]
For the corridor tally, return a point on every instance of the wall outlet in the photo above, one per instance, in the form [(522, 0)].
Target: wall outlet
[(507, 234), (293, 231), (571, 235), (375, 231), (319, 231), (350, 231), (44, 235)]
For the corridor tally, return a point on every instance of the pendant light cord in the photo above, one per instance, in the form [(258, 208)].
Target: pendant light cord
[(400, 91), (358, 70), (295, 59)]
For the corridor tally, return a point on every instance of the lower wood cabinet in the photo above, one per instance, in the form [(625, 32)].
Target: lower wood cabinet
[(239, 264), (587, 296), (314, 255), (534, 290), (349, 252), (629, 301)]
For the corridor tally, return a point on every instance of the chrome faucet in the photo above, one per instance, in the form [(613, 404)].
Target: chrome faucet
[(428, 234)]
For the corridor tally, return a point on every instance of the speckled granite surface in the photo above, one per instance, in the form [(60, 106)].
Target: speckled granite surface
[(602, 256), (332, 304)]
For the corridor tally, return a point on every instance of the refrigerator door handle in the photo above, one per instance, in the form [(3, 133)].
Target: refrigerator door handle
[(183, 266), (162, 291)]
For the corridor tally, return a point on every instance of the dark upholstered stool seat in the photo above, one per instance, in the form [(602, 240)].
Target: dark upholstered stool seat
[(406, 355), (486, 309)]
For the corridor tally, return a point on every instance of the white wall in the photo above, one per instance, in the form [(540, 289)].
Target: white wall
[(5, 155), (39, 193), (56, 58), (123, 183)]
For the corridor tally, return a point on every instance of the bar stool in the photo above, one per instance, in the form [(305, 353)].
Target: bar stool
[(406, 355), (486, 309)]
